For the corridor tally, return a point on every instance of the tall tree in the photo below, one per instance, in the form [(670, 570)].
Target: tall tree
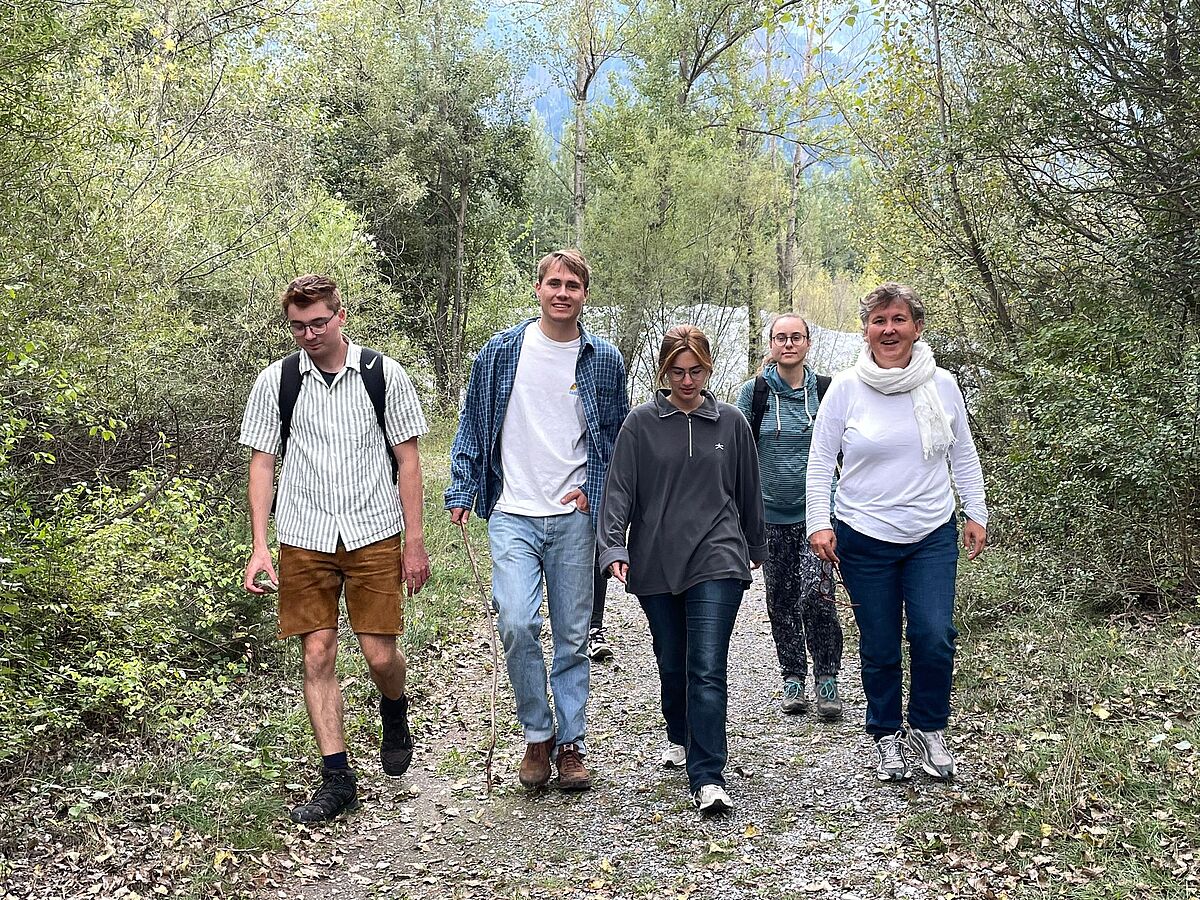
[(424, 138)]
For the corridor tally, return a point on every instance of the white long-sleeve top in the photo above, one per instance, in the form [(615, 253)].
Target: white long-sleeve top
[(887, 490)]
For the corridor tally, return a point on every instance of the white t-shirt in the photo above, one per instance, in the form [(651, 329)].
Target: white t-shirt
[(887, 489), (543, 442)]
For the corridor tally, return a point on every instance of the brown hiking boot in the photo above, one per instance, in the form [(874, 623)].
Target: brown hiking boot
[(535, 767), (572, 773)]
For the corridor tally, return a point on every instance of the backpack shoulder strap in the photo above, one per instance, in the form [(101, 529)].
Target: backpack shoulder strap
[(289, 391), (370, 369), (758, 405), (823, 382)]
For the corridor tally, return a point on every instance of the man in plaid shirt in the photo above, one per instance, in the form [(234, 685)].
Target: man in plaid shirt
[(544, 405)]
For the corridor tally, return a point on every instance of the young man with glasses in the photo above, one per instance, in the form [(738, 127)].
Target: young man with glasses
[(342, 507), (800, 600), (544, 405)]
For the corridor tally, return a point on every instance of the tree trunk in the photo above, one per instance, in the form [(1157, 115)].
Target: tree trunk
[(579, 196), (440, 345), (978, 255), (461, 306), (790, 242)]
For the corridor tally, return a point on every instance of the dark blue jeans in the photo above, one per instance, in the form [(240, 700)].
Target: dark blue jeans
[(890, 583), (691, 634)]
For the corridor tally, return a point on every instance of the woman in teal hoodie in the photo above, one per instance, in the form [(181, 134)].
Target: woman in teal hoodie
[(800, 599)]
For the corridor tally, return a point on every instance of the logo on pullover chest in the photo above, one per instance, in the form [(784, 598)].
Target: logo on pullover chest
[(719, 447)]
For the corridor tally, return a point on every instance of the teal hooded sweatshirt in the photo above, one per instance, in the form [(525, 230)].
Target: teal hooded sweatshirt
[(784, 441)]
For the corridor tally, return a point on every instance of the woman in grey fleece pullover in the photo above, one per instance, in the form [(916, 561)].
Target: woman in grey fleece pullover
[(684, 483)]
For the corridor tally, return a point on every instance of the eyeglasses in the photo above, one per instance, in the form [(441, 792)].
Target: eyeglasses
[(316, 326), (835, 572), (795, 338), (695, 372)]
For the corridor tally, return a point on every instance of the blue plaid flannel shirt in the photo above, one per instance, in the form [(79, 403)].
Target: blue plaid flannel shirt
[(475, 476)]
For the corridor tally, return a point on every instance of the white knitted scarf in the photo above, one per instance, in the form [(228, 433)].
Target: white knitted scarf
[(917, 380)]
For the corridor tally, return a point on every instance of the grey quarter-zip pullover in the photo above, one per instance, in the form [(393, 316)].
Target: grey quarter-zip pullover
[(685, 487)]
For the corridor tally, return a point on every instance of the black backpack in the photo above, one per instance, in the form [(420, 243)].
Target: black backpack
[(289, 393), (758, 406)]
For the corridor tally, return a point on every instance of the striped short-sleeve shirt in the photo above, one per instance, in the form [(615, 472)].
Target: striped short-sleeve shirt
[(336, 480)]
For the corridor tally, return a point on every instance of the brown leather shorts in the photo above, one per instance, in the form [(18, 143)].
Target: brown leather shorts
[(310, 583)]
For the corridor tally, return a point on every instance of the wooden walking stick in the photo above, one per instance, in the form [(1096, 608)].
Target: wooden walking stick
[(487, 608)]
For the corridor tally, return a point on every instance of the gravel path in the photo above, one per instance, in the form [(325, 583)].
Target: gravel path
[(811, 819)]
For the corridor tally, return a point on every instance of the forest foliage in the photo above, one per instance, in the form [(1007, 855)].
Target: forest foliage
[(1031, 168)]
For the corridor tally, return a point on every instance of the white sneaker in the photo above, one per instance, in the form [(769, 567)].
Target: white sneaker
[(930, 748), (711, 798), (893, 762), (674, 756)]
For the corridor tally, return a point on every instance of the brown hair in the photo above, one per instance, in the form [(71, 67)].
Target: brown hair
[(571, 258), (887, 293), (305, 290), (681, 339), (769, 331)]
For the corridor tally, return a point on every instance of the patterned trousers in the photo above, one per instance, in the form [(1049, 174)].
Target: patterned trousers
[(800, 604)]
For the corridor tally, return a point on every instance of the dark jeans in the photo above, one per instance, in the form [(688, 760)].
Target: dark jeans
[(889, 583), (599, 591), (800, 605), (691, 634)]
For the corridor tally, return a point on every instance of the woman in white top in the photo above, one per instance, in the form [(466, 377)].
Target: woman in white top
[(901, 426)]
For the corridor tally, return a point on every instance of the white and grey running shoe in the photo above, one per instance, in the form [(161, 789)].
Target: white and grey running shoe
[(930, 748), (893, 764), (711, 798), (674, 756)]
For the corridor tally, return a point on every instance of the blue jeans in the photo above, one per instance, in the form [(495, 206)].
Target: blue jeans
[(691, 634), (561, 550), (888, 582)]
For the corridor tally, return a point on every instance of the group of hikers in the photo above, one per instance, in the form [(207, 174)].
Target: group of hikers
[(815, 480)]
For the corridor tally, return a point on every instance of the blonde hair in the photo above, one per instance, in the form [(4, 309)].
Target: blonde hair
[(887, 293), (683, 339)]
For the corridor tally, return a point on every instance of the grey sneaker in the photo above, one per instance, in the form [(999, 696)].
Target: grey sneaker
[(894, 763), (930, 748), (793, 697), (712, 799), (829, 702)]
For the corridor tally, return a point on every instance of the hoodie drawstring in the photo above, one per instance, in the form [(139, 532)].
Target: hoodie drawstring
[(807, 409)]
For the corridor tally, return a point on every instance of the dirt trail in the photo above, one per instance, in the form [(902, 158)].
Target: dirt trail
[(811, 819)]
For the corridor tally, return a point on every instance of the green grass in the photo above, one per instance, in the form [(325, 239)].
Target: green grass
[(1081, 731), (220, 777)]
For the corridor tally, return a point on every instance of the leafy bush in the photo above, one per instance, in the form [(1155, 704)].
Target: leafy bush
[(111, 620), (1102, 462)]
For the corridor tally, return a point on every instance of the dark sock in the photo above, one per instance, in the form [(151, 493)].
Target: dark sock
[(397, 706), (336, 761)]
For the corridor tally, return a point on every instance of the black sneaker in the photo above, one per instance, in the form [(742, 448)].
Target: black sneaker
[(598, 648), (337, 792), (396, 750)]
